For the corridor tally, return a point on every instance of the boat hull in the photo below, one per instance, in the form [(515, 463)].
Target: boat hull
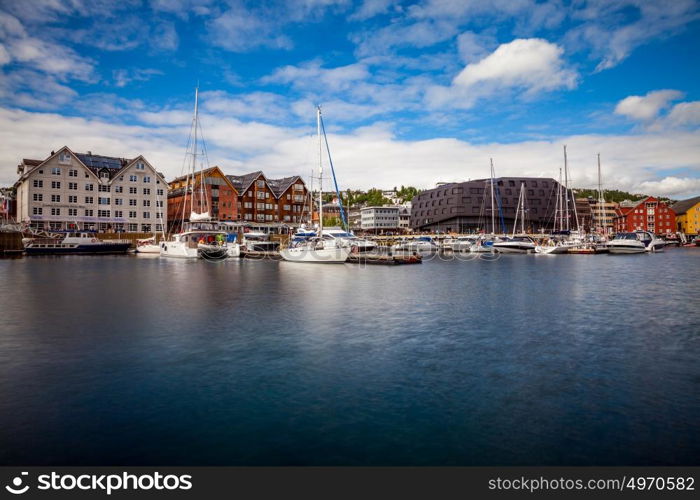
[(513, 248), (97, 249), (316, 256), (625, 249)]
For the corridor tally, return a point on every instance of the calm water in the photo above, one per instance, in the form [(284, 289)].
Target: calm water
[(560, 360)]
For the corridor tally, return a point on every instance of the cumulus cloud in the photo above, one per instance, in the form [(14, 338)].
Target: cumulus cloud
[(647, 107), (312, 75), (672, 187), (123, 77), (528, 66), (685, 114), (532, 64)]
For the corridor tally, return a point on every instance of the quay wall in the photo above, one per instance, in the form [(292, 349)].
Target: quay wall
[(10, 243)]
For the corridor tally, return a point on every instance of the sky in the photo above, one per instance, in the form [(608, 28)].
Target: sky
[(412, 93)]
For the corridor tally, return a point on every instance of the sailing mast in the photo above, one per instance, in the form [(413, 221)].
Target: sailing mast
[(517, 211), (566, 189), (320, 172), (601, 200), (493, 208)]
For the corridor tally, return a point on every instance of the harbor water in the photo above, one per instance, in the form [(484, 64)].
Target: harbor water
[(523, 360)]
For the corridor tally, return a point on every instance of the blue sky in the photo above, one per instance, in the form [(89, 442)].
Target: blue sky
[(412, 92)]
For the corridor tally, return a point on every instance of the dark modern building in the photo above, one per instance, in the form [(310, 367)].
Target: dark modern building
[(466, 207)]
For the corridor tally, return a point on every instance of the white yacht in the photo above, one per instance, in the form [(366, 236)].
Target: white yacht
[(74, 243), (334, 235), (460, 243), (636, 242), (421, 244), (514, 244), (197, 240)]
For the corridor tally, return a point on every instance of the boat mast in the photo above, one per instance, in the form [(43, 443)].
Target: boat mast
[(522, 216), (560, 199), (493, 208), (566, 189), (517, 210), (601, 200), (320, 171)]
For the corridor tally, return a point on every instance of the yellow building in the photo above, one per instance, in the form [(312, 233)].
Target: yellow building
[(688, 215)]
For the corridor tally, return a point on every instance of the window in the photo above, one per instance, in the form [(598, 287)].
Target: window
[(133, 178), (286, 207), (103, 201), (56, 198), (140, 166), (37, 211), (159, 203), (103, 213), (38, 183), (38, 197), (132, 190), (72, 199), (64, 157), (260, 183), (72, 173), (261, 195), (55, 171), (73, 186), (104, 175), (147, 215), (159, 215), (132, 215), (132, 202), (89, 199), (118, 213), (118, 201), (146, 203), (118, 189), (103, 188), (89, 187), (159, 192), (133, 227), (146, 190), (55, 184), (89, 212), (73, 212), (55, 211), (146, 179), (145, 228)]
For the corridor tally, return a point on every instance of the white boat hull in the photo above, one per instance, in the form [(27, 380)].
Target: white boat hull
[(336, 255), (178, 250), (625, 249), (234, 250), (519, 248), (150, 248)]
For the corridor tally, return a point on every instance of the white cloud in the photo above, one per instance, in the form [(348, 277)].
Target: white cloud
[(123, 77), (312, 75), (473, 46), (685, 114), (532, 64), (672, 187), (242, 30), (370, 9), (647, 107), (4, 55), (366, 157)]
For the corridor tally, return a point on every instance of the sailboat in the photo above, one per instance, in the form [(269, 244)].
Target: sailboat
[(519, 243), (317, 250), (200, 236)]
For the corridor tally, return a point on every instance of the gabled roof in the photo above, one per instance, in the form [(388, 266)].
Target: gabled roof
[(32, 163), (206, 172), (243, 182), (279, 186), (683, 206)]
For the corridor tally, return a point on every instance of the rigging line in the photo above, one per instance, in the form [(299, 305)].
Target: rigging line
[(335, 182)]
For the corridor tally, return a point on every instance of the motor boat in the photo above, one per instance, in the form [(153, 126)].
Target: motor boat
[(421, 244), (514, 244), (636, 242), (459, 244), (331, 236), (199, 239), (84, 243)]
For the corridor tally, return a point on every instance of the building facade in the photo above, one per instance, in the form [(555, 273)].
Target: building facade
[(8, 205), (220, 197), (380, 219), (84, 191), (466, 207), (687, 216), (293, 199), (648, 214)]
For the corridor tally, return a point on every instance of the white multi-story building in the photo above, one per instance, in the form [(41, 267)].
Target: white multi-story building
[(379, 219), (91, 192), (405, 216)]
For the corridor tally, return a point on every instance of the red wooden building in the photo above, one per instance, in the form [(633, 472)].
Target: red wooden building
[(648, 214)]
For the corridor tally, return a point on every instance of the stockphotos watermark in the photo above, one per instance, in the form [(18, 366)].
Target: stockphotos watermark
[(106, 483)]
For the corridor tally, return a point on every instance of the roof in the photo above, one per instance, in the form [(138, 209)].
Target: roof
[(279, 186), (97, 162), (683, 206), (205, 172), (32, 163), (243, 182)]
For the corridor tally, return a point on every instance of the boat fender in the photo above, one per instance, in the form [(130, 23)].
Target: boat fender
[(93, 240)]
